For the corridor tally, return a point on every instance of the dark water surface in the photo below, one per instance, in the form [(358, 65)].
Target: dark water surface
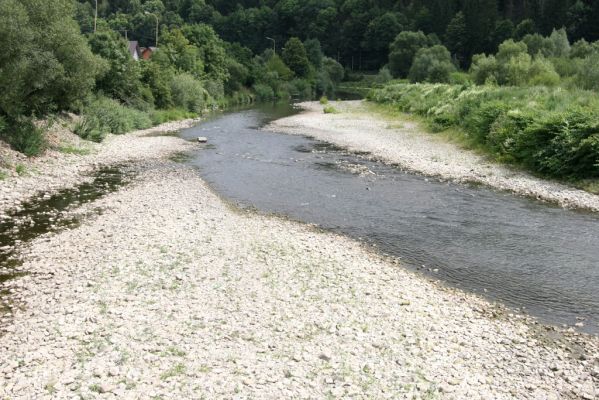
[(524, 253), (51, 213)]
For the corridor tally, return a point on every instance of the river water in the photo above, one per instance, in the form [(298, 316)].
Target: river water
[(535, 257)]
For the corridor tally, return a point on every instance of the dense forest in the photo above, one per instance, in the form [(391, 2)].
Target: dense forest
[(68, 55)]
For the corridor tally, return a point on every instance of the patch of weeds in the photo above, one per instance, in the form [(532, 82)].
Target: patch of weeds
[(178, 369), (95, 388), (20, 169), (205, 368), (324, 100), (69, 149), (174, 351), (3, 175), (330, 110)]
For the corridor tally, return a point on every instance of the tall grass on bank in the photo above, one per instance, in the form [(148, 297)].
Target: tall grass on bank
[(550, 131), (104, 115)]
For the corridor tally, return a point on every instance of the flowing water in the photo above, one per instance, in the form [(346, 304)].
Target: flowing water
[(528, 255)]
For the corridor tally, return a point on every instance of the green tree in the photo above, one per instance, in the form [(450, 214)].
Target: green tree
[(456, 37), (403, 49), (334, 70), (380, 33), (45, 63), (314, 52), (432, 64), (295, 57), (122, 80)]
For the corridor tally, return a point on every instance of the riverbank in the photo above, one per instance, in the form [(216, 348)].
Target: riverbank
[(70, 160), (405, 143), (171, 293)]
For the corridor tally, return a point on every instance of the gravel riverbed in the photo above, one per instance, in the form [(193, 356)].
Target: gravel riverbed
[(172, 293), (57, 169), (405, 143)]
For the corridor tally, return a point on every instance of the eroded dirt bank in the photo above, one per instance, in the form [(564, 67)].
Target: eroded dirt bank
[(404, 143)]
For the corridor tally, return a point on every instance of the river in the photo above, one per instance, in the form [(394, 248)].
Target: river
[(540, 259)]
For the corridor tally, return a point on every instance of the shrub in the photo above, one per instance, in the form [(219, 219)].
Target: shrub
[(403, 49), (263, 92), (324, 100), (103, 116), (383, 76), (333, 69), (89, 128), (549, 131), (330, 110), (188, 93), (432, 64), (25, 137), (588, 74)]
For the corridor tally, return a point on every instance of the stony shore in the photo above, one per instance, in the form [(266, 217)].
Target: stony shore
[(171, 293), (58, 168), (404, 143)]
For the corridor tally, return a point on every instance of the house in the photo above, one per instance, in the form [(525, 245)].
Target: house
[(135, 50), (147, 52)]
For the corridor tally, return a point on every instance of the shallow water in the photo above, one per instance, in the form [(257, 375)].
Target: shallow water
[(524, 253), (51, 213)]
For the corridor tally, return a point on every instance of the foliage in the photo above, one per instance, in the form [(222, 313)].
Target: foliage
[(324, 100), (122, 79), (432, 64), (189, 94), (296, 58), (330, 110), (403, 49), (549, 131), (24, 136), (173, 114), (104, 115), (383, 76), (45, 65)]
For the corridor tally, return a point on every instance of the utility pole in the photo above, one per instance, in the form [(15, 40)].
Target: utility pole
[(96, 18), (274, 44), (157, 25)]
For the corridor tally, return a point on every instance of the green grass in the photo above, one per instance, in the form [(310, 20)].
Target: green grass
[(324, 100), (176, 370), (20, 169), (69, 149), (330, 110), (3, 175)]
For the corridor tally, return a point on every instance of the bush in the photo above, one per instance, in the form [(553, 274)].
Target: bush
[(263, 92), (188, 93), (403, 49), (383, 76), (588, 74), (554, 132), (432, 64), (103, 116), (324, 100), (89, 128), (25, 137), (330, 110)]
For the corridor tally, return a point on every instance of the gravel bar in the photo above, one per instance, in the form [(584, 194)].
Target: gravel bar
[(405, 143)]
